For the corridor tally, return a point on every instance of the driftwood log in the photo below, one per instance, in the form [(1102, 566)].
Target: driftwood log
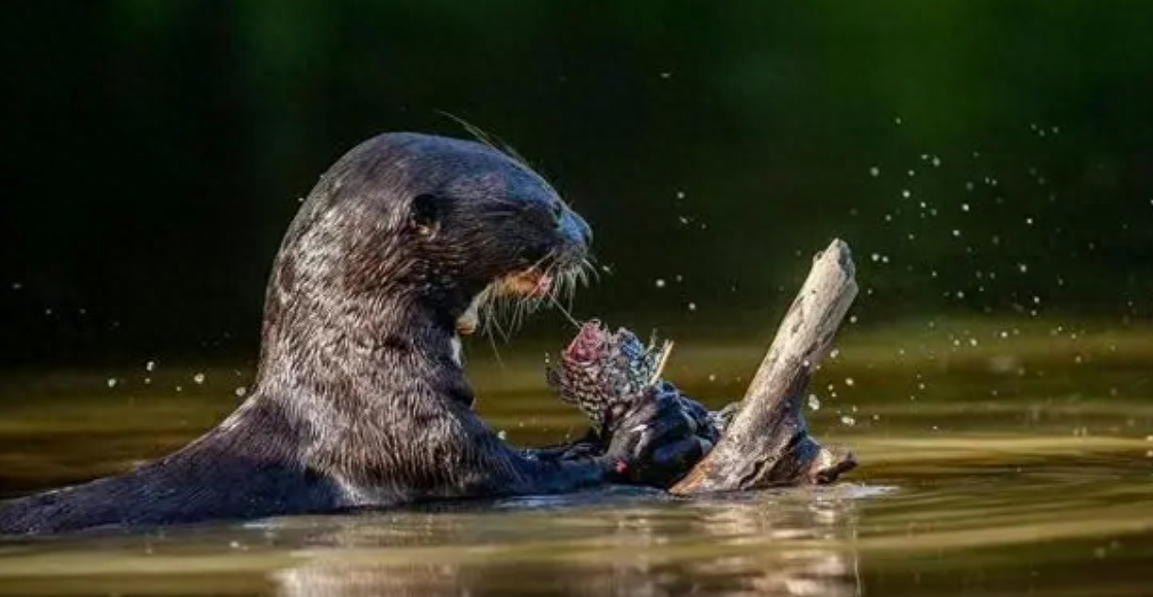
[(767, 442)]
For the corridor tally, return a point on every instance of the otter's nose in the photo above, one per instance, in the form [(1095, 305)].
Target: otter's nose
[(575, 228)]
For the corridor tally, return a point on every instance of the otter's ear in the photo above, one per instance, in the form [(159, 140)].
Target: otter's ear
[(427, 211)]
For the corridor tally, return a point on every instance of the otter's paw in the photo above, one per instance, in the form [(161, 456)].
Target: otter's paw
[(655, 442), (710, 425)]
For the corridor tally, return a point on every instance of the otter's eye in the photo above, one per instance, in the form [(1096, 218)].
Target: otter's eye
[(427, 210)]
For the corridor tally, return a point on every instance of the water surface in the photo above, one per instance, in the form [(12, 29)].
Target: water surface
[(1013, 467)]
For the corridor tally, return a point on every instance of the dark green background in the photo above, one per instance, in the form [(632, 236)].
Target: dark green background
[(153, 152)]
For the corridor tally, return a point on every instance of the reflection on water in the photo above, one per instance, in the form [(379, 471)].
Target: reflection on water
[(789, 543), (604, 547), (1043, 490)]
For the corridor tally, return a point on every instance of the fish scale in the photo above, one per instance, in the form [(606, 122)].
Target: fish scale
[(603, 373)]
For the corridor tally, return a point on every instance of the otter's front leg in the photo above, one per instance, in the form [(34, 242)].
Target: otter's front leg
[(588, 445), (710, 423), (673, 408), (654, 443)]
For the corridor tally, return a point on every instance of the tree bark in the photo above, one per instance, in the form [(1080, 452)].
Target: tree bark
[(767, 443)]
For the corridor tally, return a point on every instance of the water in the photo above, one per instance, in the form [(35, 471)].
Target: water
[(1005, 468)]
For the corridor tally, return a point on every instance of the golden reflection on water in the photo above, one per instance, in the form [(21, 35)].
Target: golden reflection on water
[(1042, 489)]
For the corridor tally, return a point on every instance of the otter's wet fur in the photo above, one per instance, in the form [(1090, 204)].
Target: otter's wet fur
[(360, 397)]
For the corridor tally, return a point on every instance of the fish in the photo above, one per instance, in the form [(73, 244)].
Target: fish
[(603, 372)]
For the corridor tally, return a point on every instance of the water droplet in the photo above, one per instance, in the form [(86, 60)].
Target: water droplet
[(814, 402), (848, 421), (680, 195), (1022, 267), (849, 382), (198, 378), (240, 392), (150, 366), (692, 306), (964, 207), (502, 434), (956, 232), (112, 381), (18, 285), (660, 282), (874, 171)]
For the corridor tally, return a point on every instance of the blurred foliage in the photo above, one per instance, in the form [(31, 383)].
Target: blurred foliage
[(154, 151)]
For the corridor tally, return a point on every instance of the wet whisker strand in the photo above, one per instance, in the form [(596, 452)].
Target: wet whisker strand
[(566, 312)]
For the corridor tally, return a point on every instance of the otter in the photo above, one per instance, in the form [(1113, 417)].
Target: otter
[(360, 398)]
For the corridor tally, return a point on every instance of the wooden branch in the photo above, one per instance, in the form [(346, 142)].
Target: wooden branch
[(766, 442)]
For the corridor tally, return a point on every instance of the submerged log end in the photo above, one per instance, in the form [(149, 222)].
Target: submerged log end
[(820, 465)]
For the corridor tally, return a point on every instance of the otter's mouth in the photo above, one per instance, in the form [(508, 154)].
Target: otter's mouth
[(531, 283)]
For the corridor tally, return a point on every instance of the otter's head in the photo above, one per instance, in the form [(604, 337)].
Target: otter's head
[(426, 224)]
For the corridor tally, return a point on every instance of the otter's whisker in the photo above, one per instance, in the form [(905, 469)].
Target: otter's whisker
[(490, 307), (495, 352), (572, 278), (487, 138), (523, 309), (566, 312), (588, 268), (494, 321)]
